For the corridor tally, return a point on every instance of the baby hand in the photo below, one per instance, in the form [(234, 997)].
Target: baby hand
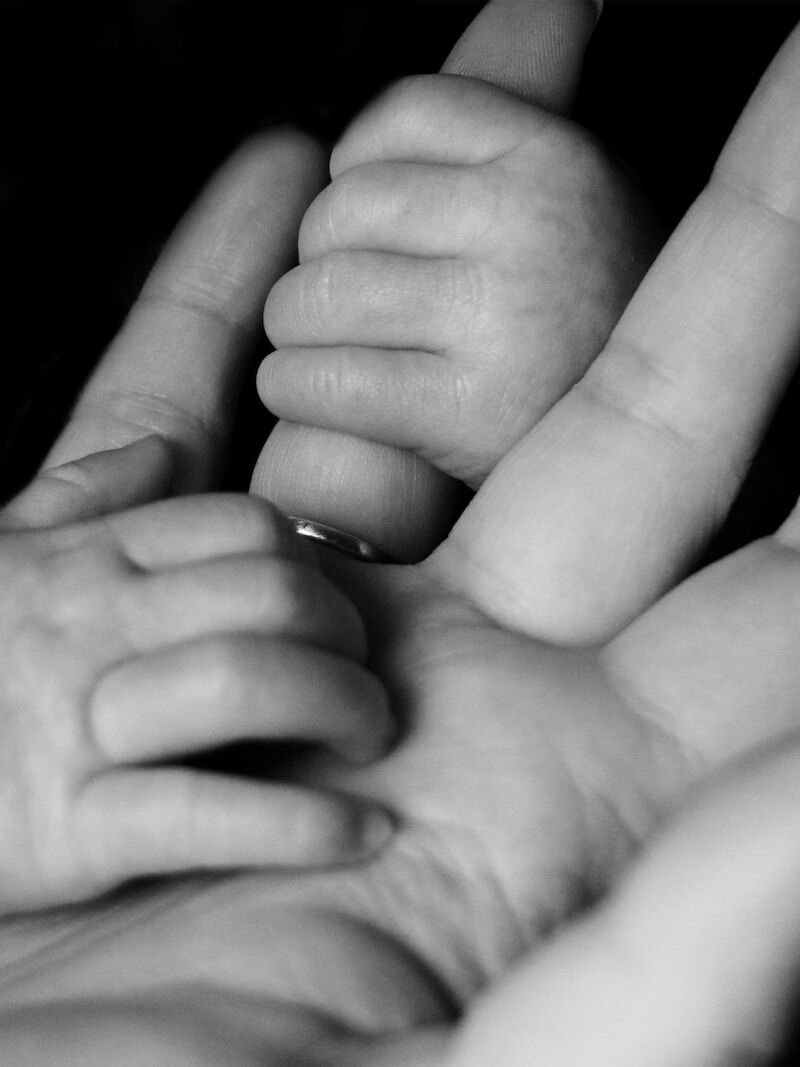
[(139, 639), (465, 265)]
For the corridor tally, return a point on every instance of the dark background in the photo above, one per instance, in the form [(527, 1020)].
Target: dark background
[(114, 116)]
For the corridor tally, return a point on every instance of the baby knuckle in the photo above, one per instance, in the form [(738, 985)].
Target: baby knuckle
[(566, 159), (327, 293), (325, 223), (281, 307), (398, 108), (264, 524), (408, 103), (300, 303)]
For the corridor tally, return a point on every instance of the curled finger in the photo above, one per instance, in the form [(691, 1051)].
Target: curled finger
[(242, 594), (135, 822), (228, 688), (374, 298), (190, 529)]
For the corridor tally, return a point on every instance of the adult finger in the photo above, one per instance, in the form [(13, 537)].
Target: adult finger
[(227, 688), (607, 501), (392, 498), (693, 960), (175, 819), (176, 366), (534, 50)]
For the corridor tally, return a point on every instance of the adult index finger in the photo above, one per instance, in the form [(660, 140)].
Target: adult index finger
[(176, 366), (534, 50)]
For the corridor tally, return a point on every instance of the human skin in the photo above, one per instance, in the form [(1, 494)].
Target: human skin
[(529, 773), (138, 636), (465, 265)]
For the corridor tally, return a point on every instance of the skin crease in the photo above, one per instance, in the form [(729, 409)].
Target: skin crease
[(527, 777)]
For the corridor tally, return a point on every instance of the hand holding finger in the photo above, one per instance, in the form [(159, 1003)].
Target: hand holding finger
[(435, 308)]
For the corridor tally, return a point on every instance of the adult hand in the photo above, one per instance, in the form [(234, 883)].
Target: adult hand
[(531, 771), (693, 958)]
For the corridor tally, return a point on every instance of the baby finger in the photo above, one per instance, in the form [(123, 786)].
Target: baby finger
[(241, 594), (227, 688), (134, 822)]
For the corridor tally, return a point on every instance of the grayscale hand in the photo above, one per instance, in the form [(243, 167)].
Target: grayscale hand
[(531, 771)]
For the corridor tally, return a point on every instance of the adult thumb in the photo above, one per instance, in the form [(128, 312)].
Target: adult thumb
[(532, 48)]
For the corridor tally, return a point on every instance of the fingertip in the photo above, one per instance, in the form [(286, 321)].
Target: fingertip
[(376, 732), (534, 50), (377, 829), (287, 144), (353, 830)]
